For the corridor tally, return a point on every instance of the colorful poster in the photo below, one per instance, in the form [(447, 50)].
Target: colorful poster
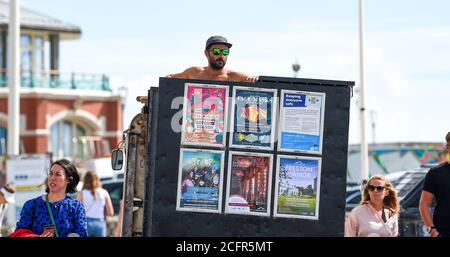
[(297, 187), (249, 184), (252, 124), (204, 115), (301, 121), (200, 180)]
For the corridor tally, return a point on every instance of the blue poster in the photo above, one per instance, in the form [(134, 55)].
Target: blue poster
[(297, 187), (252, 118), (299, 141), (301, 121)]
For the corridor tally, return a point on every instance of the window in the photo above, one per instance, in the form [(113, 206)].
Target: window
[(2, 140), (63, 139), (2, 34), (38, 62), (32, 59), (26, 61)]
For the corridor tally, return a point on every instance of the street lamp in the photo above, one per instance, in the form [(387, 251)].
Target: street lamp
[(362, 108), (296, 68), (123, 93)]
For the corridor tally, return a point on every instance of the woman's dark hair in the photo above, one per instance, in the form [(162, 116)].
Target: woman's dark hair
[(71, 174)]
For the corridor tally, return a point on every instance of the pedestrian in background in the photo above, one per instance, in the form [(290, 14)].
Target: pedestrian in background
[(377, 215), (56, 214), (6, 197), (437, 187), (97, 203), (118, 228)]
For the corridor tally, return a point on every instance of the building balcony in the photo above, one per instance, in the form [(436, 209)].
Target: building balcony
[(57, 79)]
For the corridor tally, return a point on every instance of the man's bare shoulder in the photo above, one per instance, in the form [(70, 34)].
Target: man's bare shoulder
[(190, 72), (195, 69), (241, 76)]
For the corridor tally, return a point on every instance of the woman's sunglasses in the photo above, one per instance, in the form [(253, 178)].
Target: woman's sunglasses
[(377, 188), (216, 51)]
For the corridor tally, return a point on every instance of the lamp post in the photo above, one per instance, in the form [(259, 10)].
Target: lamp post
[(123, 93), (296, 68), (364, 148)]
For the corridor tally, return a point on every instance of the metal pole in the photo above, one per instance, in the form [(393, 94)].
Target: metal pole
[(14, 78), (364, 147)]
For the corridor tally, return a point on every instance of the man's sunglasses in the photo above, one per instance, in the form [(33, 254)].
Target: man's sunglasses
[(216, 51), (373, 188)]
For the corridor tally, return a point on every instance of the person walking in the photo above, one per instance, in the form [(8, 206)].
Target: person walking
[(55, 214), (377, 215), (437, 187), (6, 197), (97, 203)]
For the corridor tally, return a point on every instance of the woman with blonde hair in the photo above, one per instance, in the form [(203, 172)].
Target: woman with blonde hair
[(377, 215), (97, 203)]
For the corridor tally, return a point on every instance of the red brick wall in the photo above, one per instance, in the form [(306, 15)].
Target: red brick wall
[(36, 110), (111, 110), (35, 144), (55, 106), (3, 104)]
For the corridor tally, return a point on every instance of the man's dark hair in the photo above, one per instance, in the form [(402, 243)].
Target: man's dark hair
[(447, 138), (71, 174)]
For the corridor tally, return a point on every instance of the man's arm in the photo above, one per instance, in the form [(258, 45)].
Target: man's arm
[(242, 77), (187, 74), (426, 199)]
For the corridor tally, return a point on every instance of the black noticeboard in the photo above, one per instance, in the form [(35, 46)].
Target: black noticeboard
[(163, 218)]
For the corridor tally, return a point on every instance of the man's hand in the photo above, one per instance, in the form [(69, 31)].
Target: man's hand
[(251, 78), (47, 234), (434, 233)]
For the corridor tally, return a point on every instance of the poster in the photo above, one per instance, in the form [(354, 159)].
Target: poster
[(297, 187), (204, 115), (253, 118), (301, 121), (249, 183), (200, 180), (27, 175)]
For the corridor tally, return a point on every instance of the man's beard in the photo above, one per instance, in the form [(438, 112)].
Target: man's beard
[(217, 64)]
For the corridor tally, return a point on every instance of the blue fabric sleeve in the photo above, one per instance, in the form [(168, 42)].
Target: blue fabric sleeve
[(79, 220), (27, 215)]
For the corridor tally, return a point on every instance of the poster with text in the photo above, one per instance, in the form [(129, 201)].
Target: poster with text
[(249, 183), (301, 121), (27, 175), (200, 180), (297, 187), (253, 118), (204, 115)]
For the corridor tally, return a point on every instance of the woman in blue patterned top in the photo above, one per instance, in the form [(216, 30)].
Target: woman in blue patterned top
[(67, 213)]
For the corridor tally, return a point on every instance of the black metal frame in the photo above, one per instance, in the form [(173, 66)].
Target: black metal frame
[(161, 218)]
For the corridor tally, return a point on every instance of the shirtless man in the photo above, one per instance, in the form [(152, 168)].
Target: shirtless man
[(216, 51)]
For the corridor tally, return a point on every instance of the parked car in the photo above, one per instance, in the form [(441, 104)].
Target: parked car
[(114, 186), (408, 185)]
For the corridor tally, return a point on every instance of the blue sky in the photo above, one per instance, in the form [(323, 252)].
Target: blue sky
[(407, 49)]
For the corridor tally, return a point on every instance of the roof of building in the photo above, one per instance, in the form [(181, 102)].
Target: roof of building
[(32, 20)]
